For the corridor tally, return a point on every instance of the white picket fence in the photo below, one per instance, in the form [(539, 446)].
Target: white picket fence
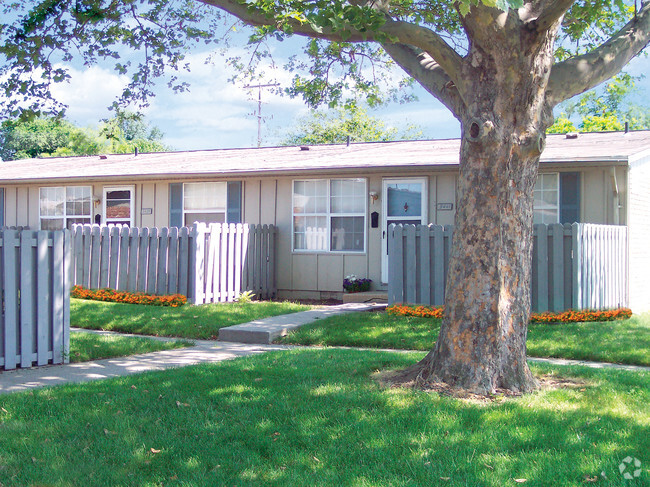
[(207, 264), (578, 266), (35, 270)]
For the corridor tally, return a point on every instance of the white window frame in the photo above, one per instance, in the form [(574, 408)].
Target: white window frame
[(106, 189), (329, 215), (65, 217), (556, 175), (225, 211)]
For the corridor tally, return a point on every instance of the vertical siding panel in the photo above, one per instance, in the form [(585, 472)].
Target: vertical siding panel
[(43, 290), (273, 291), (26, 298), (10, 240), (57, 297)]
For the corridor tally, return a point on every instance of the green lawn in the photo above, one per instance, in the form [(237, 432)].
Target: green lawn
[(316, 417), (89, 346), (626, 341), (197, 322)]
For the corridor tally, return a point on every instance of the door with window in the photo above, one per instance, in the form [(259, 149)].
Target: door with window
[(118, 205), (405, 202)]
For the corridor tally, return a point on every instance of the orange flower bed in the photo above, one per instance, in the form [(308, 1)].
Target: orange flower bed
[(546, 317), (110, 295)]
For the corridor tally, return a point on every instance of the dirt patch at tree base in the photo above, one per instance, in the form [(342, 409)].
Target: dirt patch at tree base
[(408, 379)]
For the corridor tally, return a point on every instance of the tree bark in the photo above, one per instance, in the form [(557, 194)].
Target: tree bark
[(482, 341)]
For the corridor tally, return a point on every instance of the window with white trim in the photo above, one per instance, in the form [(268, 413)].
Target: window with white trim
[(62, 206), (547, 199), (329, 215), (204, 202)]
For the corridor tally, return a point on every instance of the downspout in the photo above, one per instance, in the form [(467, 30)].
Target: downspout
[(616, 202)]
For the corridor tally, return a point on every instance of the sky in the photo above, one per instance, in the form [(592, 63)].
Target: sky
[(216, 113)]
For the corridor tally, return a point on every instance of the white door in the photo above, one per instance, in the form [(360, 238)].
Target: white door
[(404, 201), (118, 205)]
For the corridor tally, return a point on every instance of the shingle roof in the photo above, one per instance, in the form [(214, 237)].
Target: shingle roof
[(593, 148)]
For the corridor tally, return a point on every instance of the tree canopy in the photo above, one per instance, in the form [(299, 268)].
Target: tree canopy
[(604, 110), (50, 137), (336, 126), (500, 66)]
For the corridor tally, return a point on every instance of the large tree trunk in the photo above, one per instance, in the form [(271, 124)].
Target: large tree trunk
[(482, 342)]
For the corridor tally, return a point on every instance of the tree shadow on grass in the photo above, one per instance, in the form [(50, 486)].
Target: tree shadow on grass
[(316, 417)]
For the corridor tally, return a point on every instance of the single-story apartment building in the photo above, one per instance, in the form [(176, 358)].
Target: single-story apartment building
[(332, 204)]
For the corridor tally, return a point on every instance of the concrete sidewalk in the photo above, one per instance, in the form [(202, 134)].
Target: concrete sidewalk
[(52, 375), (254, 337)]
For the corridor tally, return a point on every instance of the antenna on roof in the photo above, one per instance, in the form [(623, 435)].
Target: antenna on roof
[(259, 108)]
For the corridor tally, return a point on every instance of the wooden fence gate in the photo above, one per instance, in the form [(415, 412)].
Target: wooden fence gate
[(575, 266), (35, 289), (207, 264)]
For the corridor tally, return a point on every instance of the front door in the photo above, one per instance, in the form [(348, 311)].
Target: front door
[(404, 201), (118, 205)]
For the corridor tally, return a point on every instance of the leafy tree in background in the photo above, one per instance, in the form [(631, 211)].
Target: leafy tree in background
[(604, 110), (55, 137), (500, 66), (335, 126)]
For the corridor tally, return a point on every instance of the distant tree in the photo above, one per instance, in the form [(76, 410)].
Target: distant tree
[(22, 140), (605, 109), (336, 125), (53, 137)]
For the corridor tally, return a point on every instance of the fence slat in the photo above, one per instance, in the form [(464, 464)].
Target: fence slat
[(143, 259), (58, 291), (114, 255), (123, 266), (10, 241), (43, 290), (161, 277), (95, 235), (104, 251), (172, 280), (27, 304), (574, 266), (152, 265)]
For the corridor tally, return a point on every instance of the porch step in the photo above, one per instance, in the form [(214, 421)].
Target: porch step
[(268, 329), (366, 297)]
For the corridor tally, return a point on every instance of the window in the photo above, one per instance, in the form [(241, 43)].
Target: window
[(557, 198), (118, 205), (204, 202), (61, 207), (329, 215)]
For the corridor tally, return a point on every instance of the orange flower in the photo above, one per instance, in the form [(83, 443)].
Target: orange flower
[(111, 295)]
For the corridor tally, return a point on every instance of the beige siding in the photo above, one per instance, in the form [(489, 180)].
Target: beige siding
[(639, 236), (268, 200)]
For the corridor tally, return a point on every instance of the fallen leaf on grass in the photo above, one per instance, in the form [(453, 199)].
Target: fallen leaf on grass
[(4, 410), (445, 478), (316, 460), (106, 432), (489, 466), (521, 481), (591, 479), (154, 451), (182, 404)]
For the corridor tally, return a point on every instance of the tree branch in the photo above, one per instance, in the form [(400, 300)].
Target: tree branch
[(581, 73), (428, 73), (543, 15), (403, 33)]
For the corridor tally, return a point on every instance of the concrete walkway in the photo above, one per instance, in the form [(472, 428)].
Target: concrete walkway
[(256, 337), (205, 351)]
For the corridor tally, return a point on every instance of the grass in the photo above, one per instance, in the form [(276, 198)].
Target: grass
[(194, 322), (90, 346), (626, 341), (316, 417)]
